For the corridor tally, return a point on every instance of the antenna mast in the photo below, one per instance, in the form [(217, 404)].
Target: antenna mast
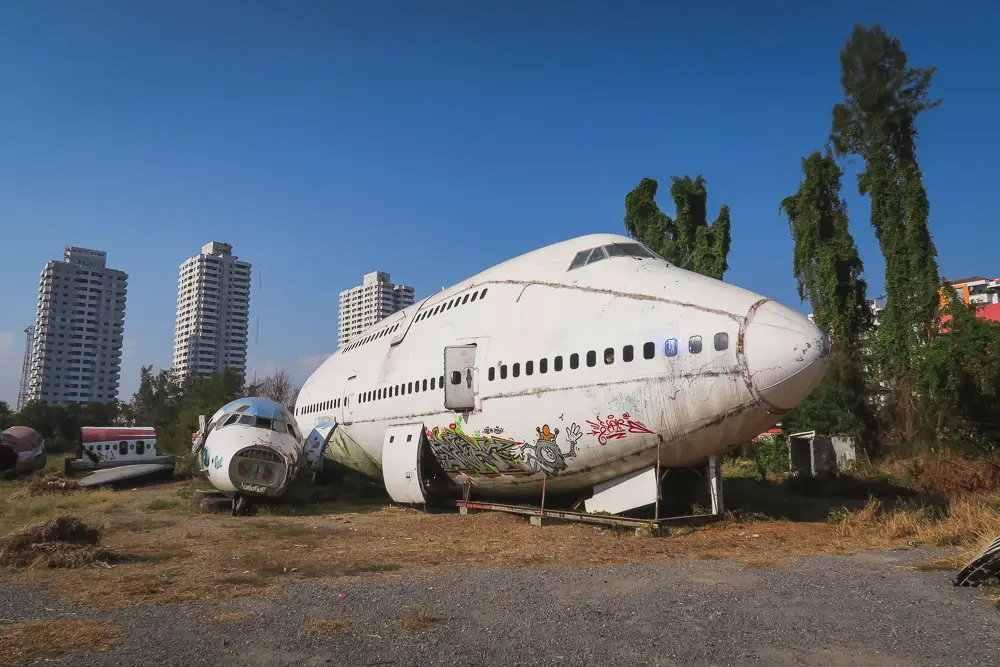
[(22, 394)]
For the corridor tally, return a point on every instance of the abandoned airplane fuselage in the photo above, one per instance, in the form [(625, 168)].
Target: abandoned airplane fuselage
[(574, 363)]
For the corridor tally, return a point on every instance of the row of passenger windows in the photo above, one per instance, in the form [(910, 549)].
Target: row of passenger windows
[(447, 305), (721, 343), (440, 308), (122, 447), (401, 389), (371, 337), (392, 391), (670, 348)]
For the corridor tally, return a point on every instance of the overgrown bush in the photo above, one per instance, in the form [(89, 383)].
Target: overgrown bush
[(772, 453)]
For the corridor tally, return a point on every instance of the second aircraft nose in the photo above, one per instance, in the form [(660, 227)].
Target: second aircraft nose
[(786, 354)]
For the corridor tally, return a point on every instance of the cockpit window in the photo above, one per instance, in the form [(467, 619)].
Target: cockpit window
[(580, 259), (592, 255), (596, 255), (247, 419)]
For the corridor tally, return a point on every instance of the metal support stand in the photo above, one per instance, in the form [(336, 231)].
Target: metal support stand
[(545, 479), (656, 510), (715, 484)]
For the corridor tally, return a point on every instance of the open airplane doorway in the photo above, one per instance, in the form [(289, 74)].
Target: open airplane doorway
[(410, 471)]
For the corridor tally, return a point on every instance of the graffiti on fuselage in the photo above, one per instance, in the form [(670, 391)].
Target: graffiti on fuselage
[(458, 452), (615, 428), (544, 455), (487, 454)]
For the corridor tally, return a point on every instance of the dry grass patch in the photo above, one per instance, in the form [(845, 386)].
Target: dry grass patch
[(230, 617), (968, 522), (322, 627), (48, 640), (418, 621), (63, 542), (209, 557)]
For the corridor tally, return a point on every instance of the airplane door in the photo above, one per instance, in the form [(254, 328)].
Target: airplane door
[(401, 463), (459, 377), (347, 411), (315, 444)]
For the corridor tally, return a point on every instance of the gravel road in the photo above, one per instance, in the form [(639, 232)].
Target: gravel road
[(866, 610)]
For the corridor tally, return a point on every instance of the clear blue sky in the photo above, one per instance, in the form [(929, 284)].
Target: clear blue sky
[(325, 140)]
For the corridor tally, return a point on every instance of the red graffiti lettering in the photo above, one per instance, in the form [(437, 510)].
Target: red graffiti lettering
[(615, 428)]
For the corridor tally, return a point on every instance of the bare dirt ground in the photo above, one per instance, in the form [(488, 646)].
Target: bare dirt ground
[(374, 584)]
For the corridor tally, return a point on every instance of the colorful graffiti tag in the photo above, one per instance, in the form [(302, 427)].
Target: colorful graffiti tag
[(615, 428), (217, 462), (476, 454), (487, 454)]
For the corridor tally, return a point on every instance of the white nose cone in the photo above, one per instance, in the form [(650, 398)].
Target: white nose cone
[(786, 354)]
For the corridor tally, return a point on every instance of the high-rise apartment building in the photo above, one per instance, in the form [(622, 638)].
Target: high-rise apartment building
[(369, 302), (76, 354), (213, 311)]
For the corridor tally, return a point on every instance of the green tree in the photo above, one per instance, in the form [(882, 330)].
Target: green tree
[(5, 414), (877, 122), (958, 386), (828, 271), (687, 241)]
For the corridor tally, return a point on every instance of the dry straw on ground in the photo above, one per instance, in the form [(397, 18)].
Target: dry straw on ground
[(48, 640), (322, 627), (62, 542)]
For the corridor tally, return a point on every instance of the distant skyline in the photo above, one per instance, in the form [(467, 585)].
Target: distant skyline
[(432, 140)]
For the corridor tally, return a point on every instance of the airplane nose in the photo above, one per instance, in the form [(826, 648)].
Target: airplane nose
[(786, 354)]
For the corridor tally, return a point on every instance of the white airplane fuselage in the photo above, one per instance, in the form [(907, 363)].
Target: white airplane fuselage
[(577, 376)]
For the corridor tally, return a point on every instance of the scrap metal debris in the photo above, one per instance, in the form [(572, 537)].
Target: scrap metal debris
[(981, 569)]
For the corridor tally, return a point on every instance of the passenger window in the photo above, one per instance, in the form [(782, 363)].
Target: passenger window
[(721, 341), (140, 447), (609, 355), (671, 347), (574, 361), (503, 371), (648, 350), (557, 364), (474, 295), (543, 366), (416, 386), (529, 367), (409, 387), (627, 353), (492, 373), (694, 344), (441, 380), (482, 295), (123, 447), (465, 300), (591, 359), (425, 385), (516, 370)]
